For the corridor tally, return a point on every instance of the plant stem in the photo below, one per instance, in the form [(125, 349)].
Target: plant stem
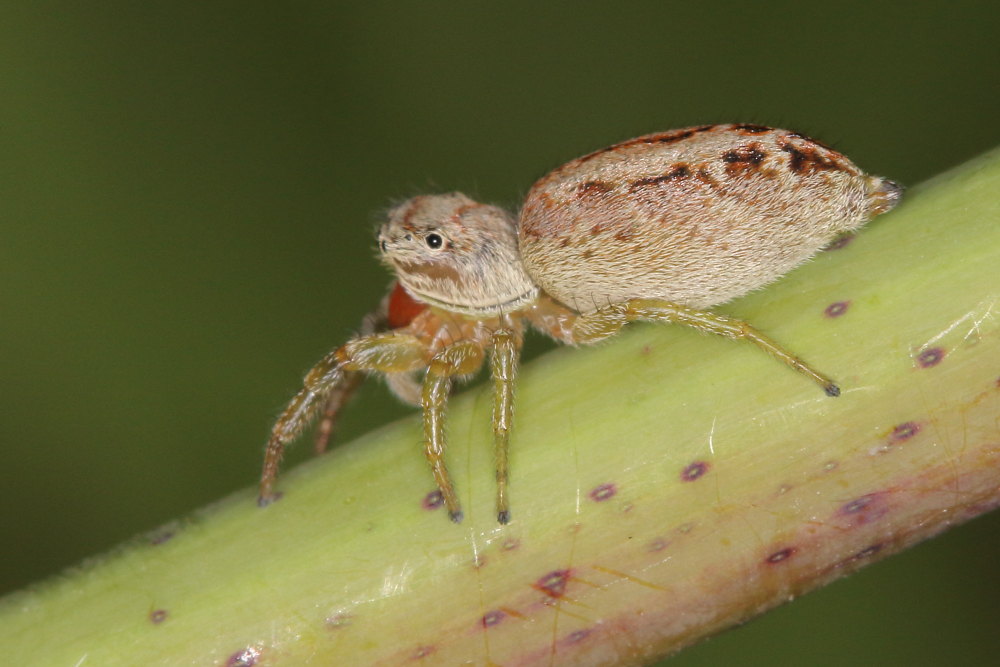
[(664, 486)]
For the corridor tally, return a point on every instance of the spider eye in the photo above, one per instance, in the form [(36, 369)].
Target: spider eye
[(433, 241)]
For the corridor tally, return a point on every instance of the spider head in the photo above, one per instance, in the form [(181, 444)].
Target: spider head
[(456, 254)]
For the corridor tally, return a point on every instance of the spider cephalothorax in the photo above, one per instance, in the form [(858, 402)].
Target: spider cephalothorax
[(456, 254), (658, 228)]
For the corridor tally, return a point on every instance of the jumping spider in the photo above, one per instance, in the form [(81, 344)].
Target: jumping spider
[(661, 228)]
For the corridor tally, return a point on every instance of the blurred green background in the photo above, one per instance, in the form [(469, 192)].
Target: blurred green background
[(189, 189)]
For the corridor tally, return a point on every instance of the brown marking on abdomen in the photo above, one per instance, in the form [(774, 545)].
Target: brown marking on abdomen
[(743, 160), (705, 177), (677, 172), (666, 137), (811, 156), (807, 159), (658, 138), (747, 128), (543, 205), (593, 188), (809, 140)]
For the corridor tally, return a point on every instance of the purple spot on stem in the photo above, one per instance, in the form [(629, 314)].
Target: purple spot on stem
[(858, 505), (904, 431), (659, 544), (553, 584), (510, 544), (868, 551), (157, 616), (492, 618), (433, 500), (693, 471), (899, 434), (244, 658), (577, 636), (932, 356), (864, 509), (780, 556), (603, 492), (836, 309)]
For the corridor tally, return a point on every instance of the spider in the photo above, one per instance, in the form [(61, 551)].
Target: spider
[(661, 228)]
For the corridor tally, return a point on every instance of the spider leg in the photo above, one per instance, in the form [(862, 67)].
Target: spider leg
[(374, 322), (459, 358), (385, 352), (405, 387), (338, 397), (503, 367), (606, 321)]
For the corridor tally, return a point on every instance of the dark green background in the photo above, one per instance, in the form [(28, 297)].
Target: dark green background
[(188, 193)]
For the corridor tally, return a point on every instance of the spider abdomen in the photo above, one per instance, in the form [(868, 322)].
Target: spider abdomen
[(696, 216)]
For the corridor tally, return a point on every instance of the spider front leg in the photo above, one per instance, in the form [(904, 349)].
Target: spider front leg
[(374, 322), (503, 367), (338, 397), (607, 321), (385, 352), (459, 358)]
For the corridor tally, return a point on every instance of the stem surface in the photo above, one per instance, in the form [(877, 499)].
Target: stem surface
[(663, 486)]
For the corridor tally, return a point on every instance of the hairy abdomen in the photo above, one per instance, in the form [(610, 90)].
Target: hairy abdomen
[(696, 216)]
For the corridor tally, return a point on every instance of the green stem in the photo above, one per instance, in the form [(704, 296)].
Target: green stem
[(664, 486)]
